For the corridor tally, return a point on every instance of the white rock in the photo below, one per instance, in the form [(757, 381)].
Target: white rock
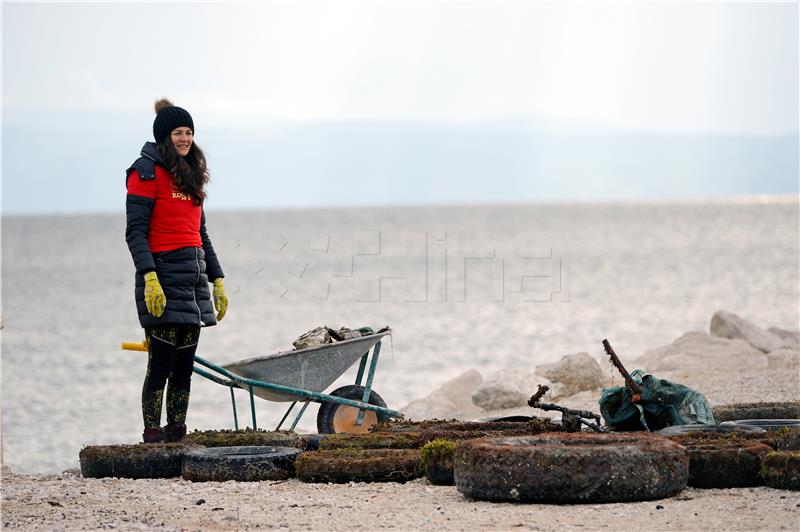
[(791, 339), (729, 325), (700, 351), (509, 388), (453, 400), (577, 373), (784, 358)]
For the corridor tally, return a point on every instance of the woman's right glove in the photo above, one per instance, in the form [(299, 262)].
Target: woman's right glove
[(154, 296)]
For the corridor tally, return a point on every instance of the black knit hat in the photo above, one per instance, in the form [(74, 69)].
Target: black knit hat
[(169, 117)]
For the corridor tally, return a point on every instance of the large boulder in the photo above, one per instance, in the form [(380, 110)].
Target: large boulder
[(700, 351), (576, 373), (453, 400), (791, 339), (728, 325), (510, 388)]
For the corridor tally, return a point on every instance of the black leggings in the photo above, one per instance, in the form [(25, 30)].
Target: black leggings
[(170, 349)]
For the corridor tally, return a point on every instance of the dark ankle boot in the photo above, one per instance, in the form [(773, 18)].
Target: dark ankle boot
[(152, 435), (174, 432)]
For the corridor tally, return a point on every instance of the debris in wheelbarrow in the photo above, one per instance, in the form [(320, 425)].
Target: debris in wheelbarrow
[(649, 403), (324, 335)]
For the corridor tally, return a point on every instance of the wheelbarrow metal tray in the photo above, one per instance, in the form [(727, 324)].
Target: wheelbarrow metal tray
[(312, 369)]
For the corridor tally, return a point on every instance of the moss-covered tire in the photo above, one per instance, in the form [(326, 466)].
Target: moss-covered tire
[(468, 430), (373, 440), (245, 438), (680, 430), (781, 470), (437, 460), (312, 441), (359, 465), (767, 410), (143, 460), (571, 468), (764, 424), (726, 464), (336, 418), (239, 463)]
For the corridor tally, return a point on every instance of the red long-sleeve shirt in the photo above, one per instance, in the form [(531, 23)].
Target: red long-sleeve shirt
[(175, 221)]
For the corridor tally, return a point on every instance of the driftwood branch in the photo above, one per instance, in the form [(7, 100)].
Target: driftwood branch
[(570, 419)]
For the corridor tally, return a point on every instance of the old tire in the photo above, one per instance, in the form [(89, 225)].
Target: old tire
[(571, 468), (680, 430), (726, 464), (373, 440), (467, 430), (245, 438), (437, 460), (764, 424), (239, 463), (312, 441), (769, 410), (781, 470), (143, 460), (334, 418), (359, 465)]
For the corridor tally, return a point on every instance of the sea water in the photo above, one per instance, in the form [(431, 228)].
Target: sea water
[(484, 287)]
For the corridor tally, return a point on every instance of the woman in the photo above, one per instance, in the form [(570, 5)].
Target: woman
[(175, 261)]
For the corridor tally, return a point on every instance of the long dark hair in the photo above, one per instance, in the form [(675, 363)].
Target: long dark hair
[(190, 172)]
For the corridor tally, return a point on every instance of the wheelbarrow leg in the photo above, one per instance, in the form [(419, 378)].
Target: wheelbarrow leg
[(253, 407), (235, 418), (285, 415), (368, 387), (299, 415), (361, 366)]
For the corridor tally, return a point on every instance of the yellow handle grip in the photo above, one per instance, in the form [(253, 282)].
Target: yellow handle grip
[(134, 346)]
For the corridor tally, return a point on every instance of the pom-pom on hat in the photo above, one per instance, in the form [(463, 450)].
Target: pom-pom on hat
[(168, 117)]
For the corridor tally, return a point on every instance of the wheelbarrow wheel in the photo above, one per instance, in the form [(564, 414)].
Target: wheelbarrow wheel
[(334, 418)]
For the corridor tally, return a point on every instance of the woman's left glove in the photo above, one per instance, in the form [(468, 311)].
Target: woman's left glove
[(220, 298)]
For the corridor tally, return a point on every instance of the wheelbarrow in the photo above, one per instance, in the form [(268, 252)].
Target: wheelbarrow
[(302, 376)]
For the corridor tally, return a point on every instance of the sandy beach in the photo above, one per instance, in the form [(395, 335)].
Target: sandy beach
[(70, 502)]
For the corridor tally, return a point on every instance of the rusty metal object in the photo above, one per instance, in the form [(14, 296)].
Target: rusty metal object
[(636, 390)]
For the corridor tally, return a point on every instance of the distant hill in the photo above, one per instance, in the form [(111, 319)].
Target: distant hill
[(76, 163)]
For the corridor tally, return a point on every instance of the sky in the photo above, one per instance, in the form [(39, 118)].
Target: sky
[(687, 79)]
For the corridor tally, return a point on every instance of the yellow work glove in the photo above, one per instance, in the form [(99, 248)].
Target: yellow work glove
[(220, 298), (154, 296)]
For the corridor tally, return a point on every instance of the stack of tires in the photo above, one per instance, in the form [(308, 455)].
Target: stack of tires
[(392, 454), (521, 461), (244, 455), (756, 444)]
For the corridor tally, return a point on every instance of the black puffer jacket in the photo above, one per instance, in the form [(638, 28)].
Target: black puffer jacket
[(183, 273)]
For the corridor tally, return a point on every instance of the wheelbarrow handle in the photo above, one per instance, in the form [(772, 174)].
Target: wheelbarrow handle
[(134, 346)]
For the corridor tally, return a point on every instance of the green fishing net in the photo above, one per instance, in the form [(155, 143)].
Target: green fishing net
[(663, 404)]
